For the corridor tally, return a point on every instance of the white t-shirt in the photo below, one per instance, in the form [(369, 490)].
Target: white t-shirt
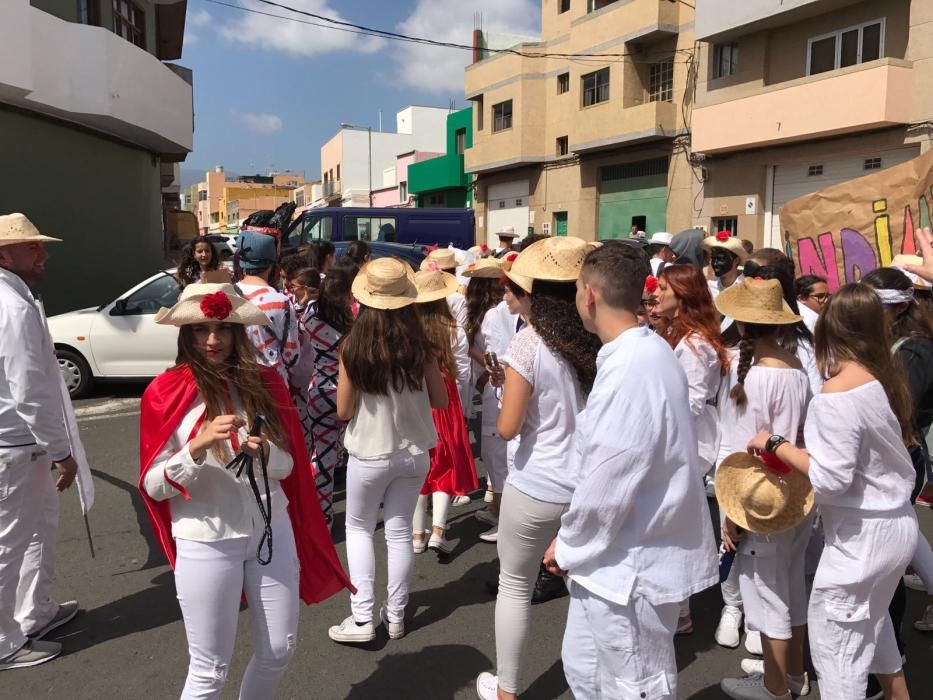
[(701, 365), (809, 317), (489, 339), (727, 408), (541, 459), (777, 403)]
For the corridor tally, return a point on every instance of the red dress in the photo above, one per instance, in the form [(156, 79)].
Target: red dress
[(452, 469)]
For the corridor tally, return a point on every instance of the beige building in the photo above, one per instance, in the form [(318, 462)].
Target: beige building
[(223, 203), (584, 133), (797, 95)]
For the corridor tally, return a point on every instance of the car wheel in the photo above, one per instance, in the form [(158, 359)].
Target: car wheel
[(76, 372)]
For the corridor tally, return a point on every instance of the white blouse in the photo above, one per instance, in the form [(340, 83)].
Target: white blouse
[(701, 365), (489, 339), (857, 455), (777, 403)]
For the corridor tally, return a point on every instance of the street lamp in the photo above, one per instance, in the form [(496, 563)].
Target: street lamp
[(369, 154)]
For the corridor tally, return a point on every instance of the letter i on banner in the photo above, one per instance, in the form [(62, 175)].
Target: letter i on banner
[(882, 231)]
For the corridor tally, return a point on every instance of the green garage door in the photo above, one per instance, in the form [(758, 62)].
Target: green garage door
[(633, 193)]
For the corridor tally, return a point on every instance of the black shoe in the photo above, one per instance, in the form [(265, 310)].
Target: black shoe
[(548, 587)]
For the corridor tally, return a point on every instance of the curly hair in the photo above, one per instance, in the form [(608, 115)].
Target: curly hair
[(440, 327), (482, 294), (555, 319), (188, 269), (696, 314)]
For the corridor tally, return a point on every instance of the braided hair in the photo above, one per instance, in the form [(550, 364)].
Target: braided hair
[(750, 333)]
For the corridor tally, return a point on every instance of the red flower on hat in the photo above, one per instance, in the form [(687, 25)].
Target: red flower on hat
[(511, 257), (484, 248), (723, 236), (217, 306), (651, 284)]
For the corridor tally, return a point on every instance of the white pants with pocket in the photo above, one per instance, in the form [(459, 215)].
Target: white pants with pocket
[(28, 531), (395, 481), (210, 578), (619, 652), (851, 634), (495, 459)]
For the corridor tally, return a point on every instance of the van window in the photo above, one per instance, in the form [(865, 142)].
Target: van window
[(370, 228), (316, 228)]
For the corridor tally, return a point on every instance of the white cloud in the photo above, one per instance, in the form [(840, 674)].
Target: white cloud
[(294, 37), (259, 122), (440, 70), (199, 18)]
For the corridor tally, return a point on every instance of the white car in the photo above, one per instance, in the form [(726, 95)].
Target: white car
[(120, 340)]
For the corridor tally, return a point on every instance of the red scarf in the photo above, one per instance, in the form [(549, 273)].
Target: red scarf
[(165, 403)]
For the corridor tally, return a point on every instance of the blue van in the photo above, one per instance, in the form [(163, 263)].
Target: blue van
[(411, 226)]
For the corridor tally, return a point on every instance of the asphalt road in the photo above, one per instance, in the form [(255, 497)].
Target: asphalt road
[(129, 641)]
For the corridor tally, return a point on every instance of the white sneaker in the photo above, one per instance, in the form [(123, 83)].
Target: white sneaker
[(440, 544), (796, 685), (487, 686), (348, 632), (751, 667), (418, 546), (491, 535), (487, 516), (396, 630), (750, 688), (914, 582), (753, 643), (925, 623), (729, 630), (460, 501), (33, 653)]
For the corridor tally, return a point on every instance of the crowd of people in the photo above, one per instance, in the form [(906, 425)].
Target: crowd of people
[(617, 391)]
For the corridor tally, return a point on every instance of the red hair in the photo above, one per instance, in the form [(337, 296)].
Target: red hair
[(696, 312)]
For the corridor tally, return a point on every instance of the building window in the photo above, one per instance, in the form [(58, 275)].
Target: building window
[(661, 81), (478, 108), (129, 22), (846, 47), (814, 171), (338, 171), (640, 168), (563, 6), (727, 223), (403, 191), (595, 87), (872, 164), (460, 141), (519, 202), (89, 12), (563, 145), (502, 116), (202, 195), (502, 204), (299, 198), (563, 83), (725, 59)]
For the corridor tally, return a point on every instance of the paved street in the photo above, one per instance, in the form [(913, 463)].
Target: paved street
[(129, 642)]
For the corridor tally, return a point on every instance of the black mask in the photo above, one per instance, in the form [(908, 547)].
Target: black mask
[(721, 262)]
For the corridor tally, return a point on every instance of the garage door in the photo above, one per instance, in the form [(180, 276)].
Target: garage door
[(506, 205), (792, 180), (632, 194)]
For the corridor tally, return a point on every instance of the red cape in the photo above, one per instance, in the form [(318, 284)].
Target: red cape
[(165, 403)]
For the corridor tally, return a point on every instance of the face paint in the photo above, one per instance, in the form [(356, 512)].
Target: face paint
[(721, 262)]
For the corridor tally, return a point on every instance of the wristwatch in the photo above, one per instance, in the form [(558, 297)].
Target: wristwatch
[(774, 442)]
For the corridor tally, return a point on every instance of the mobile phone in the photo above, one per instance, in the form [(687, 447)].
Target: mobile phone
[(492, 360), (256, 429)]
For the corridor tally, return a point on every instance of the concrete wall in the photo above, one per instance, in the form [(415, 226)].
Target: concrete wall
[(103, 199), (68, 11), (716, 18)]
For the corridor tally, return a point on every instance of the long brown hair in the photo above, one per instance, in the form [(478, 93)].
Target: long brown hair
[(243, 372), (852, 328), (482, 294), (696, 313), (441, 330), (386, 349)]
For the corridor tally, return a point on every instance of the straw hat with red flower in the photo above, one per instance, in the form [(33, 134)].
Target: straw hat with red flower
[(201, 303)]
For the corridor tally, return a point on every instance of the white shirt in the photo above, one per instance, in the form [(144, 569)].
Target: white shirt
[(488, 338), (716, 286), (384, 424), (857, 455), (30, 379), (727, 408), (777, 403), (540, 468), (701, 365), (221, 506), (461, 350), (807, 356), (458, 308), (655, 264), (638, 521), (809, 317)]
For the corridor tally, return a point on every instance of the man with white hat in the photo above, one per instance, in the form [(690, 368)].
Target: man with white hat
[(726, 256), (33, 440), (507, 238), (659, 248)]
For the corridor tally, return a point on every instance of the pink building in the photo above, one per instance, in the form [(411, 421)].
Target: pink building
[(394, 192)]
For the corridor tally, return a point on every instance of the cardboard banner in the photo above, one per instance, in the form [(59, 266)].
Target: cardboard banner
[(845, 231)]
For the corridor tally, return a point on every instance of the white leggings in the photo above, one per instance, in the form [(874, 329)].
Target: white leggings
[(394, 481), (440, 502), (922, 562), (526, 527), (210, 578), (495, 459)]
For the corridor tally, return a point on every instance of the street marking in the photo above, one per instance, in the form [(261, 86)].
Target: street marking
[(107, 407)]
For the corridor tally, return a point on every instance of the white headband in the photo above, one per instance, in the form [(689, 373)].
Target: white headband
[(891, 297)]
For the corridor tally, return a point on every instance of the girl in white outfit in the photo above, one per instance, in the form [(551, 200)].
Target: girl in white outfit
[(389, 380), (862, 477)]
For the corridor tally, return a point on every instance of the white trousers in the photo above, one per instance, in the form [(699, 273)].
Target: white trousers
[(495, 459), (28, 530), (922, 562), (619, 652), (210, 578), (395, 481), (851, 634), (440, 504)]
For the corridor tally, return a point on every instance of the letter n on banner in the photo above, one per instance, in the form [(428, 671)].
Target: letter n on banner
[(857, 255), (810, 262)]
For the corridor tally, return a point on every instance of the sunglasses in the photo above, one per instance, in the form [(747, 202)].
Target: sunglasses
[(821, 298), (751, 268), (649, 303)]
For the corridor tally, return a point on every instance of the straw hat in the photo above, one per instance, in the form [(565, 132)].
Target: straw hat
[(16, 228), (757, 498), (555, 259), (488, 268), (507, 232), (434, 285), (724, 239), (202, 302), (480, 251), (385, 283), (443, 258), (756, 301)]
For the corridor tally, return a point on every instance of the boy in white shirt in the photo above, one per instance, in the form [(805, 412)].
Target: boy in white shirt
[(637, 538)]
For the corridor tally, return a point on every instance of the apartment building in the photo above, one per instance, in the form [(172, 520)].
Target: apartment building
[(442, 182), (93, 121), (797, 95), (222, 204), (583, 132)]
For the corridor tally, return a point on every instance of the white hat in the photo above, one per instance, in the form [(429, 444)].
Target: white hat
[(211, 302), (661, 238), (16, 228), (507, 232)]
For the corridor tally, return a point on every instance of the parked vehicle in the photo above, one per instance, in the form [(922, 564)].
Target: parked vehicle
[(225, 245), (413, 226), (412, 254)]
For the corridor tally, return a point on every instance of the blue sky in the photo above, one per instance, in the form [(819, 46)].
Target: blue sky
[(269, 92)]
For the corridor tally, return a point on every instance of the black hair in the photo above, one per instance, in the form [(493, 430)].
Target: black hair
[(482, 294), (620, 272), (916, 320), (332, 304), (357, 252), (318, 252), (803, 286), (789, 336)]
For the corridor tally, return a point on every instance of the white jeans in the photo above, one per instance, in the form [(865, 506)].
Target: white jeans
[(619, 652), (395, 481), (28, 530), (210, 578), (440, 503), (495, 459)]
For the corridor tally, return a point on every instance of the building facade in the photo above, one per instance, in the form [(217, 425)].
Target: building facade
[(223, 204), (797, 95), (584, 132), (87, 98), (442, 182)]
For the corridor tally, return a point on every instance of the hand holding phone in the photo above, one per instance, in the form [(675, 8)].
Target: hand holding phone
[(494, 369)]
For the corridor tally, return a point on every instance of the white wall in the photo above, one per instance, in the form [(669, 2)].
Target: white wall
[(356, 154), (428, 127)]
